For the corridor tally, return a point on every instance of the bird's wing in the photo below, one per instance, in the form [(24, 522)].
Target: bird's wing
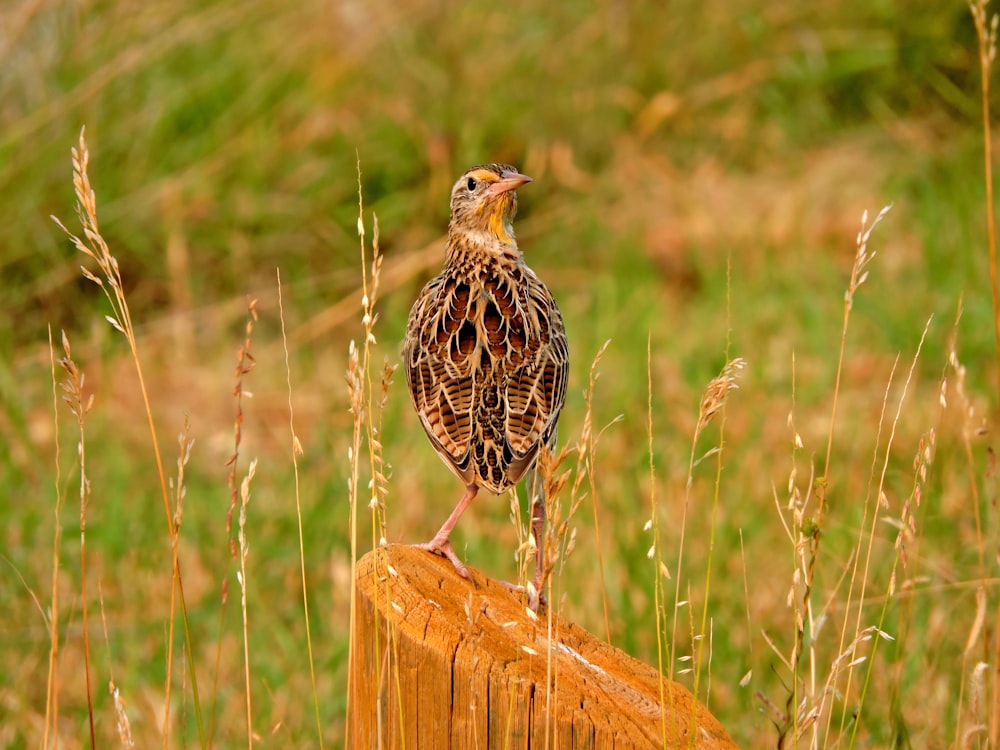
[(536, 388), (437, 353)]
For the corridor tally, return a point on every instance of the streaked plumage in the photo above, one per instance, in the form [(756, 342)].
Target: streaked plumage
[(486, 355)]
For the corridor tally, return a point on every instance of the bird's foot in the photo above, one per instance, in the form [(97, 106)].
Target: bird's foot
[(442, 546), (535, 596)]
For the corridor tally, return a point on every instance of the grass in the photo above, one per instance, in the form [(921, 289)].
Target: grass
[(700, 197)]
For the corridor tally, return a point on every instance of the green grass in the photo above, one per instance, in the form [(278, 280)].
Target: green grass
[(667, 145)]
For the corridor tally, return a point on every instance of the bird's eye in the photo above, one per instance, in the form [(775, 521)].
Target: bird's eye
[(471, 184)]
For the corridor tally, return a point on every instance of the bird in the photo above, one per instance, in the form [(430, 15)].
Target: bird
[(486, 356)]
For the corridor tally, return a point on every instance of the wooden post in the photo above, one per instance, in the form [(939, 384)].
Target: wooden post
[(441, 662)]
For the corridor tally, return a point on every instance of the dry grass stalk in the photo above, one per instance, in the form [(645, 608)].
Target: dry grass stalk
[(80, 406), (807, 699), (655, 552), (245, 363), (94, 247), (558, 543), (241, 578), (907, 542), (378, 469), (810, 531), (986, 40), (814, 705), (713, 402), (907, 525), (745, 680), (296, 452), (560, 537), (184, 443), (859, 274), (589, 441), (971, 427), (881, 502), (367, 412), (355, 391), (979, 706), (714, 398), (548, 479), (121, 717), (52, 685)]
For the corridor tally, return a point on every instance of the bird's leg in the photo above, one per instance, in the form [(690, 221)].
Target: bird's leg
[(537, 500), (441, 542), (538, 534)]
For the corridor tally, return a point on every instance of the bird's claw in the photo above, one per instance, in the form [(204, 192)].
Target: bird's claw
[(443, 547), (534, 594)]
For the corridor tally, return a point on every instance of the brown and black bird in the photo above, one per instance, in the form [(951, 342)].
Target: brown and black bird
[(486, 355)]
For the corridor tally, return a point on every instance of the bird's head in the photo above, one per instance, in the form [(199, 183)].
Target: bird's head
[(484, 200)]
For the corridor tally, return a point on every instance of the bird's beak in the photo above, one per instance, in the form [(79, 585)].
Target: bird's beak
[(508, 181)]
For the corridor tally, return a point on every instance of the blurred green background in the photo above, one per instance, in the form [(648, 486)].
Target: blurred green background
[(700, 171)]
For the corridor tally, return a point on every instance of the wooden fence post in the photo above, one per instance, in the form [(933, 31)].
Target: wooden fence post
[(441, 662)]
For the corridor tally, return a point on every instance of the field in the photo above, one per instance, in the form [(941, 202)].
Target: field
[(808, 543)]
